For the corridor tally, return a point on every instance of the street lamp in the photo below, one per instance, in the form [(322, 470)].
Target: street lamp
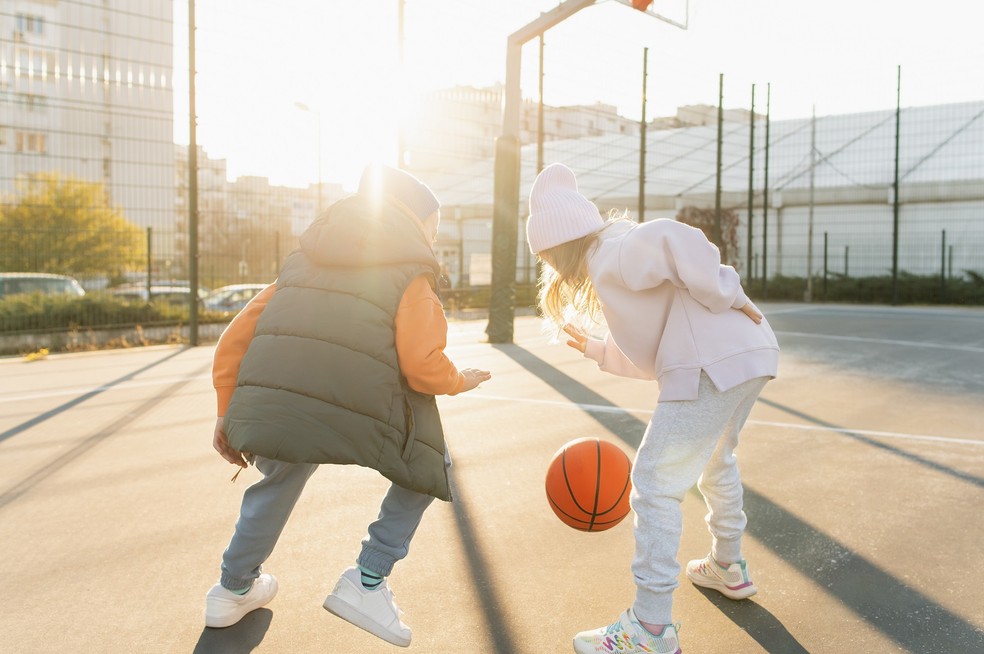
[(317, 114)]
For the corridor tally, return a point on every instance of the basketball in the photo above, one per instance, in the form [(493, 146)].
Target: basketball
[(588, 484)]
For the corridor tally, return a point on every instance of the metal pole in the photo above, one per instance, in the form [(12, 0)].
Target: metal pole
[(809, 230), (505, 213), (717, 183), (539, 116), (943, 267), (825, 265), (400, 138), (150, 245), (642, 140), (765, 194), (895, 192), (751, 181), (192, 184), (320, 183)]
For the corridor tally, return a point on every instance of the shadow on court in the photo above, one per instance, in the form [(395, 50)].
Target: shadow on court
[(900, 612), (244, 636), (89, 442)]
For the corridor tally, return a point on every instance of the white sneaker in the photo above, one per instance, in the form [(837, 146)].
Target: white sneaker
[(627, 636), (372, 610), (733, 581), (224, 608)]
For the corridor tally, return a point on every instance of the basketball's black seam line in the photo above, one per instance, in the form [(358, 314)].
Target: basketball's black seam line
[(597, 495), (628, 482), (570, 491), (554, 504)]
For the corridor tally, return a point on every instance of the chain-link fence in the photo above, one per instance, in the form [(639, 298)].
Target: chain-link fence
[(881, 203)]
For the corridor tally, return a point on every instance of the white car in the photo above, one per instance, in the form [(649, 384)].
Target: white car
[(48, 284), (232, 298)]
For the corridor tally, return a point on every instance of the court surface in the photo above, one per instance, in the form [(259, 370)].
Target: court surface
[(863, 466)]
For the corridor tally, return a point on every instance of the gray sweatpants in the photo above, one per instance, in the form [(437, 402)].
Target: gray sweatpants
[(687, 442), (268, 503)]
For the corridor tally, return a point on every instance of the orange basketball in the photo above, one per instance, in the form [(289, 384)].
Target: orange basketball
[(588, 484)]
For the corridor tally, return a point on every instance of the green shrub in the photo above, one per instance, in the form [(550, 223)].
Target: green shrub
[(47, 313), (912, 289)]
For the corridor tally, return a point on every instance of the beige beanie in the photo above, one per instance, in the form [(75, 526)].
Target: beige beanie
[(558, 213)]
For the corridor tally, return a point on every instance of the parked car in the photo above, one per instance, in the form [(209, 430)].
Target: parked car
[(48, 284), (167, 294), (232, 298)]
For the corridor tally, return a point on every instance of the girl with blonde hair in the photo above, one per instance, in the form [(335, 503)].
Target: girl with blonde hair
[(676, 315)]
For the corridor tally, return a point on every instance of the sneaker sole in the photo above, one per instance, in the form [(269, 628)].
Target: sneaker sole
[(221, 622), (345, 611), (714, 584), (227, 620)]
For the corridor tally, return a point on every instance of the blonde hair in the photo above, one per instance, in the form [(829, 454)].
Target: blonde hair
[(566, 293)]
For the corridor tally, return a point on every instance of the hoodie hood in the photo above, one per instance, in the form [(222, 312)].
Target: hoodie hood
[(361, 232)]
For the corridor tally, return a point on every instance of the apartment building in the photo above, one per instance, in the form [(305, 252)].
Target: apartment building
[(86, 91)]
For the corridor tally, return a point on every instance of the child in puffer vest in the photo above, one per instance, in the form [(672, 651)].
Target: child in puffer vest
[(339, 362)]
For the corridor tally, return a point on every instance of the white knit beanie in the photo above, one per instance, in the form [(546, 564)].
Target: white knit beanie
[(558, 213)]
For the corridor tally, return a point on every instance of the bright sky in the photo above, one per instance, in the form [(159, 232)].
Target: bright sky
[(257, 59)]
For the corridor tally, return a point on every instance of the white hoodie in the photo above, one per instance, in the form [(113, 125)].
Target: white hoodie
[(672, 310)]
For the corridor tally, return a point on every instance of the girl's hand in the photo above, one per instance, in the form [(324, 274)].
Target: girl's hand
[(750, 311), (578, 339), (221, 445), (474, 377)]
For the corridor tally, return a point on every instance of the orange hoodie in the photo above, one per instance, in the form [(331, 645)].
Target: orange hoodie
[(421, 336)]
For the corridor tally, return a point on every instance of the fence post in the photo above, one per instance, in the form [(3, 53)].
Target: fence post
[(765, 194), (751, 181), (895, 193), (642, 140), (150, 259), (943, 268), (192, 185), (847, 259), (717, 182), (825, 265), (277, 260)]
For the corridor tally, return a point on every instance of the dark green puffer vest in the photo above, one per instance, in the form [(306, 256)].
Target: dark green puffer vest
[(320, 382)]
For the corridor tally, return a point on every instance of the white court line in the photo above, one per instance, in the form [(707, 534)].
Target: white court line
[(591, 408), (602, 408), (886, 341)]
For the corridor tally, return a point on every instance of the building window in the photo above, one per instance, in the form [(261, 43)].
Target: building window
[(28, 24), (32, 142)]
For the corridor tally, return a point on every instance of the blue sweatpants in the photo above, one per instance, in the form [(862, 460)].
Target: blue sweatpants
[(267, 504)]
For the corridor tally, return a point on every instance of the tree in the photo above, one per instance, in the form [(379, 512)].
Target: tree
[(61, 224), (703, 219)]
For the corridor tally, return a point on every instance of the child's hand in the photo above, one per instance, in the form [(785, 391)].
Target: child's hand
[(578, 339), (474, 377), (221, 445), (750, 311)]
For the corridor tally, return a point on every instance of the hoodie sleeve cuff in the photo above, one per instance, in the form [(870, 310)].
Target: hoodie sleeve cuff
[(595, 350), (740, 300)]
